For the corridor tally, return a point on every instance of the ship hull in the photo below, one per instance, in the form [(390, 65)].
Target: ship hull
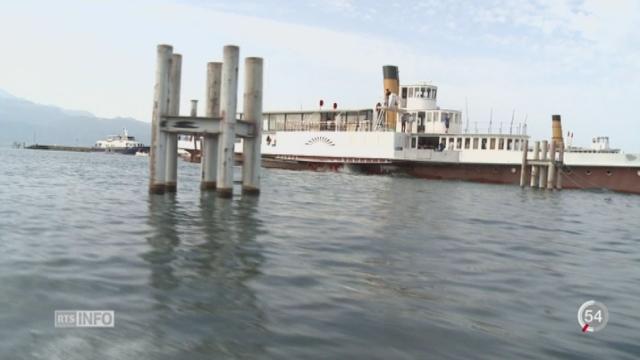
[(126, 151), (622, 179)]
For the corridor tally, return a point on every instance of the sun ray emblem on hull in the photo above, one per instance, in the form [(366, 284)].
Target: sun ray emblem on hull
[(320, 140)]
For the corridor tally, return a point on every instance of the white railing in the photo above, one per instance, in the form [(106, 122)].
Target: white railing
[(494, 127), (331, 125)]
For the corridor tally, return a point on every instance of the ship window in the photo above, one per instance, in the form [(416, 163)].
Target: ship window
[(450, 144), (428, 143), (475, 143), (410, 92), (500, 144), (413, 143), (404, 92), (421, 116), (467, 143), (429, 117), (434, 93), (509, 144), (492, 144), (459, 143), (429, 92)]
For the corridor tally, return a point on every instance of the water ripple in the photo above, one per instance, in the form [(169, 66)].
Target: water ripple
[(321, 265)]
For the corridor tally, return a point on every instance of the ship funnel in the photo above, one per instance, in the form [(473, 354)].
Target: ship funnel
[(556, 130), (392, 83)]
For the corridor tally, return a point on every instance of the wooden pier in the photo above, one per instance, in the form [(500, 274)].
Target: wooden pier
[(546, 164), (218, 127)]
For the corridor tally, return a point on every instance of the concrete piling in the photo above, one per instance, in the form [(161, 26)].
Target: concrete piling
[(194, 108), (559, 166), (171, 176), (218, 128), (544, 147), (209, 158), (228, 107), (546, 170), (252, 110), (551, 172), (157, 164), (523, 167), (534, 168)]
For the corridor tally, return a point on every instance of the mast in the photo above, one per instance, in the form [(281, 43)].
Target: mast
[(466, 105), (513, 115)]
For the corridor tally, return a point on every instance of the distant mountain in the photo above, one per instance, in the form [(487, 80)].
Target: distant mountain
[(5, 95), (22, 121)]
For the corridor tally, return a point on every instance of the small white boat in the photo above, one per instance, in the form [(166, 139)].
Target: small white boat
[(123, 144)]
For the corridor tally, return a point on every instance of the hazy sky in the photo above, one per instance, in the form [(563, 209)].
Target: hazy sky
[(580, 59)]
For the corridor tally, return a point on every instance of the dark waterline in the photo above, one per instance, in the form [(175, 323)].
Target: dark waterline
[(320, 266)]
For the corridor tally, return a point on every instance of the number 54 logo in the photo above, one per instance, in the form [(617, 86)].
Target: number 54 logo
[(593, 316)]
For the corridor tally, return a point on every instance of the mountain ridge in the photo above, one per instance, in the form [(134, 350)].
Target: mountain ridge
[(24, 121)]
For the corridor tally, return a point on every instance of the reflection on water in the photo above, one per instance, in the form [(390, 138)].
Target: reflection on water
[(201, 263), (321, 265), (162, 240)]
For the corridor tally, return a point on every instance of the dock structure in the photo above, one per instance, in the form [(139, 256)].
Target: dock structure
[(546, 164), (219, 127)]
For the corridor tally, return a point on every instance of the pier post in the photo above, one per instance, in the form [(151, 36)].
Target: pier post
[(252, 110), (194, 113), (523, 167), (542, 183), (157, 164), (560, 166), (194, 108), (534, 168), (209, 152), (171, 176), (228, 104), (551, 175)]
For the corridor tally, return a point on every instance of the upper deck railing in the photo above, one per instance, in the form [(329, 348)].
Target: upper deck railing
[(321, 120), (367, 120)]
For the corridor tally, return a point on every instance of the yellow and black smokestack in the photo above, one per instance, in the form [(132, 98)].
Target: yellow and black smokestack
[(556, 130), (391, 83)]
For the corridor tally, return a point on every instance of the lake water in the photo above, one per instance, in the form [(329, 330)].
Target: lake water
[(320, 266)]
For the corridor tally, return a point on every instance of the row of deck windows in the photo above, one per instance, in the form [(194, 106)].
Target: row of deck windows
[(467, 143), (421, 92), (435, 116), (482, 143)]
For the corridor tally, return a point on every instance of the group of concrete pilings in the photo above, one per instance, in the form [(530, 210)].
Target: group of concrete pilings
[(546, 165), (218, 128)]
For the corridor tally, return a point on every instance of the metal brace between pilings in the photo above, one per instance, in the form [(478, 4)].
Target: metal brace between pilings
[(544, 162), (203, 125)]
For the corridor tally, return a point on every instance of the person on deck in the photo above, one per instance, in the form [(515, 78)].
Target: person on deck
[(404, 119), (446, 123)]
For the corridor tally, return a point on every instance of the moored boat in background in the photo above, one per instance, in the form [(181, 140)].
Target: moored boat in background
[(407, 132), (123, 144)]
